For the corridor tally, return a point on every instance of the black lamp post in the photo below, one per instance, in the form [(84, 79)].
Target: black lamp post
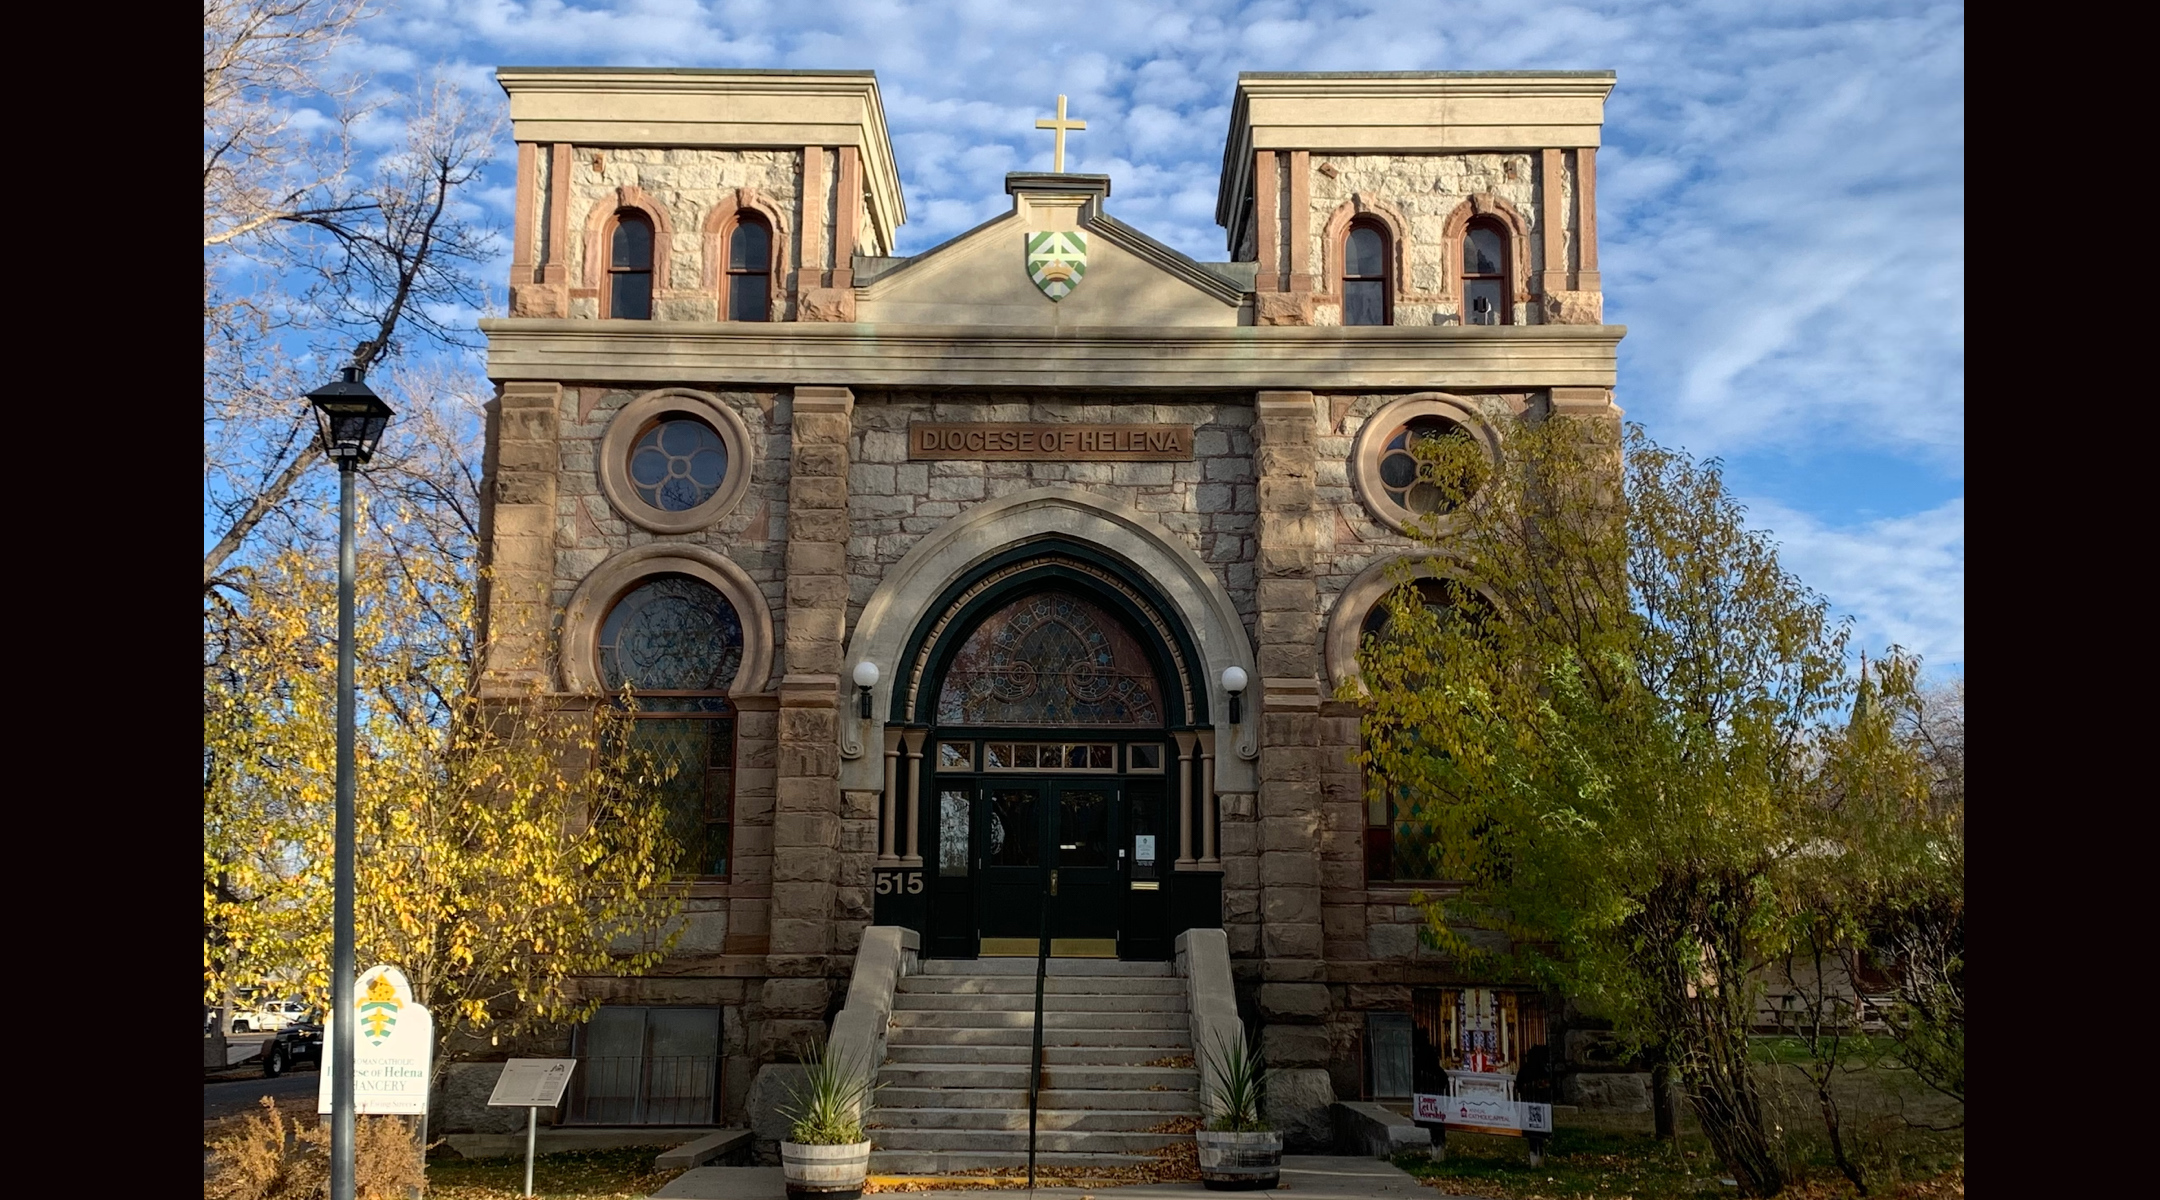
[(352, 418)]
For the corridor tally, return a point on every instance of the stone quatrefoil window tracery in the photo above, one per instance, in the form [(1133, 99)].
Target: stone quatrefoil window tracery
[(1051, 659), (676, 644), (1402, 476), (678, 464)]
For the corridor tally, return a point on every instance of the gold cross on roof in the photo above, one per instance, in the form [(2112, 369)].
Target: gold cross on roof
[(1057, 157)]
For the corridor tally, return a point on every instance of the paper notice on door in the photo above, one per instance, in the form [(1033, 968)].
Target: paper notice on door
[(1143, 847)]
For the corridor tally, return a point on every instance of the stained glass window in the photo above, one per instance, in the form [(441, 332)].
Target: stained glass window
[(678, 464), (676, 643), (672, 633), (1051, 659)]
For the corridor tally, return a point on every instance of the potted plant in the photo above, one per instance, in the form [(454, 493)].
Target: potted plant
[(1238, 1152), (826, 1154)]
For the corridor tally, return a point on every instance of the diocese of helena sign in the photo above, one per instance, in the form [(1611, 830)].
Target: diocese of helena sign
[(1057, 261), (1051, 442), (393, 1052)]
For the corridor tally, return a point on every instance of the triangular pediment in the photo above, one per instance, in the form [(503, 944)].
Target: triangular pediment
[(981, 278)]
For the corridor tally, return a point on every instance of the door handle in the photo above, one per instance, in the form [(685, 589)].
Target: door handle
[(1053, 881)]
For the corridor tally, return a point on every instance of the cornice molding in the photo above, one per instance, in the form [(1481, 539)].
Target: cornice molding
[(1243, 358)]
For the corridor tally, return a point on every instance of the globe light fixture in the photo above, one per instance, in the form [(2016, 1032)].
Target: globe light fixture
[(866, 677), (1233, 682)]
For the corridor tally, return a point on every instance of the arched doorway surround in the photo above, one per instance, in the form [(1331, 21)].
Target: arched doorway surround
[(1142, 550)]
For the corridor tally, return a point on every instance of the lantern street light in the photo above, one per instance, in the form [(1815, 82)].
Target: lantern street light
[(352, 418), (1233, 682)]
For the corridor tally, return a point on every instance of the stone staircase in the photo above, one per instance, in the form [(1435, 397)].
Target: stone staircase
[(956, 1066)]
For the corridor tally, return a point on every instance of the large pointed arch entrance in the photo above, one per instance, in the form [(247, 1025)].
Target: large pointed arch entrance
[(1060, 705)]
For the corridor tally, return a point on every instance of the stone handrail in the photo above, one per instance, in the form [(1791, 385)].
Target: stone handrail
[(888, 953), (1203, 959)]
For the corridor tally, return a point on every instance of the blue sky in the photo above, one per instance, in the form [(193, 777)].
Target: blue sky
[(1781, 197)]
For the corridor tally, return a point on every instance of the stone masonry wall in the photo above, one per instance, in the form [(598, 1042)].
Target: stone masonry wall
[(894, 502), (688, 184)]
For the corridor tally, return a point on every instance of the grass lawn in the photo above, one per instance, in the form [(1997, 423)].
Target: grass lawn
[(625, 1174), (1909, 1140)]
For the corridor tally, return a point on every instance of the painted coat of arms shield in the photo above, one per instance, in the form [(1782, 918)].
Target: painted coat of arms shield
[(1056, 261)]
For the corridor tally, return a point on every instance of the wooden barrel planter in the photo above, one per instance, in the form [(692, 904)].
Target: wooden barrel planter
[(825, 1172), (1239, 1162)]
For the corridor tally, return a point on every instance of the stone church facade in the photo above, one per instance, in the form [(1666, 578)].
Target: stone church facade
[(1060, 485)]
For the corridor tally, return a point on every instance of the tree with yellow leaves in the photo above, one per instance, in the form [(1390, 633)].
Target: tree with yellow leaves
[(506, 848)]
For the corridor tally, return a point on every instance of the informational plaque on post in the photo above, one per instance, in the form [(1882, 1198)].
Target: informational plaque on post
[(532, 1083)]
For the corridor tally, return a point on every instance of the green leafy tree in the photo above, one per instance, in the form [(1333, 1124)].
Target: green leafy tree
[(1623, 744)]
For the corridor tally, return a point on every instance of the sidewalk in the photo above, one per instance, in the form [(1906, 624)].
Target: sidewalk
[(1308, 1177)]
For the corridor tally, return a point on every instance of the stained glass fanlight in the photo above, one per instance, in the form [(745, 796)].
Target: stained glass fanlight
[(1051, 659), (671, 633)]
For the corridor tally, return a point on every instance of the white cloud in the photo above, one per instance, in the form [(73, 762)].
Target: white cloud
[(1781, 185), (1901, 579)]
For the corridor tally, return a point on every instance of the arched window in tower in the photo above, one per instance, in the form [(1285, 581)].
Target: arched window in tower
[(630, 267), (749, 270), (1486, 286), (1365, 290), (675, 643)]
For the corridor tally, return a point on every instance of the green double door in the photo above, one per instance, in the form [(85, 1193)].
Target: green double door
[(1050, 849)]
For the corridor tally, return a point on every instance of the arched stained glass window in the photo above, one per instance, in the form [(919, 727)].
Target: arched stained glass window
[(676, 644), (1051, 659), (630, 267)]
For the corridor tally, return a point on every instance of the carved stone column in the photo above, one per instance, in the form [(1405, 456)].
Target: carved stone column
[(807, 801), (517, 495), (1293, 526)]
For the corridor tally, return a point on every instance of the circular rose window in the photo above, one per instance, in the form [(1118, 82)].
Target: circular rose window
[(1395, 482), (675, 460), (678, 464)]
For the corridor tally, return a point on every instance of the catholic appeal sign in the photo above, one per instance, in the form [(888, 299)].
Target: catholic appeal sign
[(393, 1051)]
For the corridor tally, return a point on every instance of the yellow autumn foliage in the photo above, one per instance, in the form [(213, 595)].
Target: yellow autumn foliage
[(506, 847)]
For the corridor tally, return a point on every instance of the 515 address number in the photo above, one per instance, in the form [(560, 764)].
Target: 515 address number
[(899, 883)]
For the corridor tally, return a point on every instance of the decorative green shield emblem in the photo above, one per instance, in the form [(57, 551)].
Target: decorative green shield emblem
[(1056, 262)]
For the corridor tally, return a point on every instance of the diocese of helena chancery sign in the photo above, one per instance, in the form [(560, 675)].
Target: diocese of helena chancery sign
[(1051, 443)]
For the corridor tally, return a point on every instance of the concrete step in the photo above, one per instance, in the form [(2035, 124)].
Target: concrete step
[(917, 1162), (1058, 966), (1112, 1120), (1178, 1100), (1055, 985), (1015, 1141), (995, 1019), (1024, 1035), (1025, 1002), (937, 1075), (1018, 1054)]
